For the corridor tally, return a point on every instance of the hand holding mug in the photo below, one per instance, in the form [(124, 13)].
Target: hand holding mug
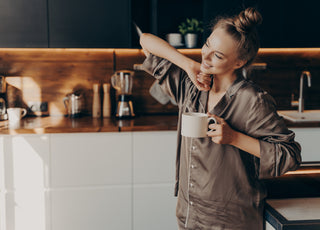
[(221, 132)]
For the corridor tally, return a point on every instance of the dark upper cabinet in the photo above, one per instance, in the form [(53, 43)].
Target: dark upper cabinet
[(108, 24), (286, 23), (90, 24), (161, 17), (23, 23)]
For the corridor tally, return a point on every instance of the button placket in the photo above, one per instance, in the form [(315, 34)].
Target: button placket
[(190, 184)]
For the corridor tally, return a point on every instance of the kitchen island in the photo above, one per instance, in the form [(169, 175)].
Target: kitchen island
[(293, 214), (60, 173)]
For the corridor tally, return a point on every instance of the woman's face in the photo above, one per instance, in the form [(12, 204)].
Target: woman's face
[(219, 54)]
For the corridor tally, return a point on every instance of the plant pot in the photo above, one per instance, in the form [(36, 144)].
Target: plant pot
[(191, 40)]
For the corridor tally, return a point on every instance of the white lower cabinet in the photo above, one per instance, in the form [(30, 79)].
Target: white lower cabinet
[(154, 155), (154, 204), (91, 159), (91, 181), (26, 209), (92, 208), (154, 207), (82, 181), (24, 165)]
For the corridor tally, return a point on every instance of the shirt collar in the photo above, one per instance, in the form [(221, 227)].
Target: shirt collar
[(235, 86)]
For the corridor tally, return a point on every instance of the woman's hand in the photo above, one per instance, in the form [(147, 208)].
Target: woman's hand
[(159, 47), (221, 133), (202, 81)]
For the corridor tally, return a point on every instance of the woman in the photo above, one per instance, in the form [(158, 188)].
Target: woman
[(218, 178)]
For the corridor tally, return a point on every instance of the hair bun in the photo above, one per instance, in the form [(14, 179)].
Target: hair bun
[(247, 20)]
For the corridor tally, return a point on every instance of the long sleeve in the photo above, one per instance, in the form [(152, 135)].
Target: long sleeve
[(278, 149), (173, 80)]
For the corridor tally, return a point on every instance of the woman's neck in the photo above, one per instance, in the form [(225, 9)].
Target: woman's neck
[(221, 83)]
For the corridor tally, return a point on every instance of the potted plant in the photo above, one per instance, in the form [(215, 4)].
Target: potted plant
[(190, 30)]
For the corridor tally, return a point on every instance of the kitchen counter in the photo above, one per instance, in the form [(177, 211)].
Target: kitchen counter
[(61, 124), (294, 213)]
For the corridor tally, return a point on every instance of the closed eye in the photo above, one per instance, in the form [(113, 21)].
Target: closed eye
[(218, 56)]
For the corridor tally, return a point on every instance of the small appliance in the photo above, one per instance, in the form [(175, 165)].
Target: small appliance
[(74, 103), (122, 81)]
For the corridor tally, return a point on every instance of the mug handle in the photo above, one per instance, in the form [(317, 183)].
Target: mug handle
[(23, 112), (65, 99), (211, 120)]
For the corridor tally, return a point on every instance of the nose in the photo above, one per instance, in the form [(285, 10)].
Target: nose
[(205, 54)]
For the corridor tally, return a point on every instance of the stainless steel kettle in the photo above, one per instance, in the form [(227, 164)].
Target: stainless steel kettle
[(74, 103)]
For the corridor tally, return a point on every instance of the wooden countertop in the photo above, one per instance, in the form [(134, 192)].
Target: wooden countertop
[(60, 124)]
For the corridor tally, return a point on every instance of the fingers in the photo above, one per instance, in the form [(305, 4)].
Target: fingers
[(204, 79), (219, 120), (216, 131), (213, 128), (202, 87), (215, 134)]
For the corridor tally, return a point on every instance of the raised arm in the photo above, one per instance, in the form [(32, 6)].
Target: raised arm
[(157, 46)]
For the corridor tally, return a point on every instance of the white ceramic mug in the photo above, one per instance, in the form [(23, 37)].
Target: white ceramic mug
[(15, 114), (174, 39), (195, 124)]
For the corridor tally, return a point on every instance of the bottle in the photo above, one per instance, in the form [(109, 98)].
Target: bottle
[(96, 102), (106, 100)]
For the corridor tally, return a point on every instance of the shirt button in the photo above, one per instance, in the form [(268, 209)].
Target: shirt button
[(191, 203), (191, 185), (193, 147), (192, 166)]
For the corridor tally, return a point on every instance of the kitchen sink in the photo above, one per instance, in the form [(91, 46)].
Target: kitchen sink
[(305, 116)]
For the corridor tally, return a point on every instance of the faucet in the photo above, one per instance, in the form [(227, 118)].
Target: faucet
[(300, 103)]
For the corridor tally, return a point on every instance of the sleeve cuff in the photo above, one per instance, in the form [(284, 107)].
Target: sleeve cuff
[(267, 160), (156, 66)]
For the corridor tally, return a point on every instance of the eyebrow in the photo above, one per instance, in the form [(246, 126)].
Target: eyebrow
[(216, 51)]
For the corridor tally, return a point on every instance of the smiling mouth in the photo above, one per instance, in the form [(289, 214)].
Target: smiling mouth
[(206, 66)]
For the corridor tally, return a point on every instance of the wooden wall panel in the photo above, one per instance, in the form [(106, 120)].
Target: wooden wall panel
[(144, 103), (49, 74)]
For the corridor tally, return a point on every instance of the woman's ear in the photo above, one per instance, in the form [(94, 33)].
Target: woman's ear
[(240, 64)]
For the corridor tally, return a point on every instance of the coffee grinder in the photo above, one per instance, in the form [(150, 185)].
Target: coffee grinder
[(3, 107), (122, 81)]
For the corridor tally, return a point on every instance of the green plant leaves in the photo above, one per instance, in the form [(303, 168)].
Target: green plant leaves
[(191, 26)]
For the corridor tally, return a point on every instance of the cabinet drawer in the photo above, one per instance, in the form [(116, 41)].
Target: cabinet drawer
[(91, 159), (154, 155)]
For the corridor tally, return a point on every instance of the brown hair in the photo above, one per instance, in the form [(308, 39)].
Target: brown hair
[(242, 28)]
